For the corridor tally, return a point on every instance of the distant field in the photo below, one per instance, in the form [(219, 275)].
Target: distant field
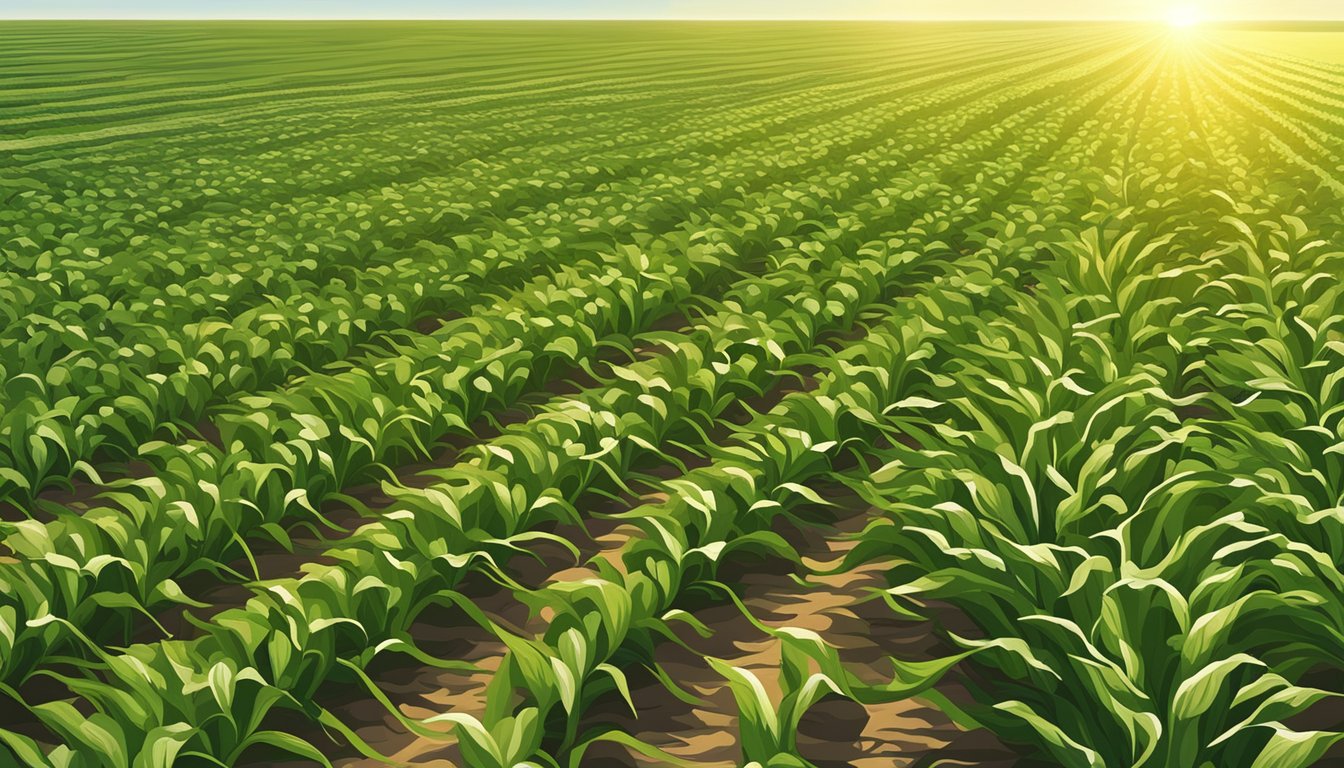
[(1304, 43), (724, 394)]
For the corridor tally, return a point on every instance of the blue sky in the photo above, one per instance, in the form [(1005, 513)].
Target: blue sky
[(912, 9)]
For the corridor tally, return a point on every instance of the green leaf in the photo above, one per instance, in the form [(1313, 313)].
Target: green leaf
[(1294, 749), (1198, 692), (291, 744)]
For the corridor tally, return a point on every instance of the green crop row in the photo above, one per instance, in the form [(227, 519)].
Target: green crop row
[(1103, 494), (1061, 304), (205, 501), (91, 383), (619, 612), (162, 363), (444, 555)]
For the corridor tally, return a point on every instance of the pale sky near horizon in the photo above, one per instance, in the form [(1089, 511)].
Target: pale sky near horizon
[(693, 9)]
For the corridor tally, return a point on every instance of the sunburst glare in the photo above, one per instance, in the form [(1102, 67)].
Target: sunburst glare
[(1185, 16)]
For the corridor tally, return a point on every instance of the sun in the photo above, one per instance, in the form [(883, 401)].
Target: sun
[(1184, 16)]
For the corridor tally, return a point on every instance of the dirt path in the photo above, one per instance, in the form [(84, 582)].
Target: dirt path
[(836, 732), (421, 692)]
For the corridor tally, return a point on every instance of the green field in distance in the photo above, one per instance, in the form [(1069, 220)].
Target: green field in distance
[(1322, 42)]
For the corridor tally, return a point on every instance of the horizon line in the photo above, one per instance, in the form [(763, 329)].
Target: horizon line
[(878, 19)]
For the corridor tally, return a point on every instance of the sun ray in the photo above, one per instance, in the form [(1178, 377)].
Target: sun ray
[(1185, 16)]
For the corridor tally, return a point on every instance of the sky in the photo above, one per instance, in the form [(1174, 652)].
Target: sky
[(846, 9)]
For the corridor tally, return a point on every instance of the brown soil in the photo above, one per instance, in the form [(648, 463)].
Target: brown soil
[(421, 692), (78, 495), (836, 732)]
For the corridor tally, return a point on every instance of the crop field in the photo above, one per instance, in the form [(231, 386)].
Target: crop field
[(1318, 43), (670, 394)]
